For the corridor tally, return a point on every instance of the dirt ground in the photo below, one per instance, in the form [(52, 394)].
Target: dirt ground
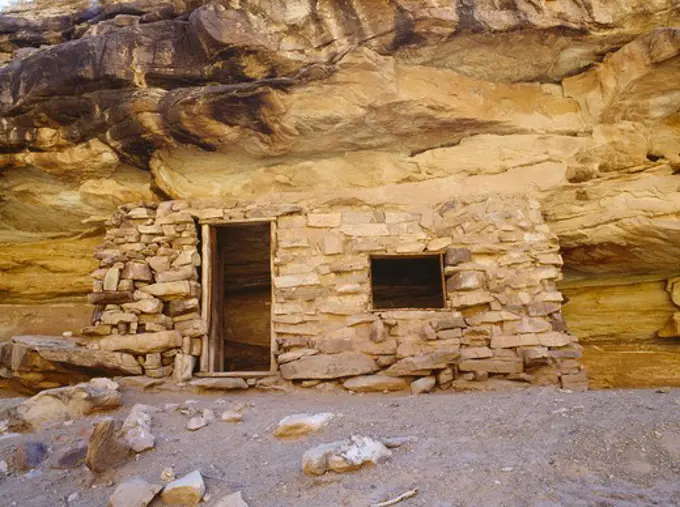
[(539, 447)]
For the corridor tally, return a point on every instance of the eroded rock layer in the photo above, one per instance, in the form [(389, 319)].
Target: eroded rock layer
[(574, 103)]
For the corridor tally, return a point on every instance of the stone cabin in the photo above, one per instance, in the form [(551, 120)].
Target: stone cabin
[(374, 296)]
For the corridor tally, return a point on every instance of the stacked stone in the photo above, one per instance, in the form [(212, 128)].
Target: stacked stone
[(502, 316), (146, 291)]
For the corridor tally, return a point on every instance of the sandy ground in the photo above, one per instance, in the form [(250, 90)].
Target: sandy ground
[(538, 446)]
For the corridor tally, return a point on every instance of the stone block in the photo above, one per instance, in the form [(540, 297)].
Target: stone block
[(137, 271), (323, 219), (191, 328), (449, 334), (365, 230), (475, 353), (288, 281), (176, 274), (554, 339), (332, 243), (182, 306), (111, 279), (517, 340), (110, 297), (455, 256), (159, 262), (410, 347), (411, 247), (329, 366), (187, 257), (183, 368), (142, 343), (151, 305), (375, 383), (422, 364), (492, 365), (171, 290), (465, 280), (423, 385), (378, 333), (115, 317), (438, 244), (219, 384), (474, 298)]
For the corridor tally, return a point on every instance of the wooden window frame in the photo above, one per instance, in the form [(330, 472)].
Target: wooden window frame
[(209, 346)]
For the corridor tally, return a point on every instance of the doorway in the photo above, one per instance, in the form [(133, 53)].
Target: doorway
[(240, 334)]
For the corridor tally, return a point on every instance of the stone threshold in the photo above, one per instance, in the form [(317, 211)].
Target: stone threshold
[(232, 374)]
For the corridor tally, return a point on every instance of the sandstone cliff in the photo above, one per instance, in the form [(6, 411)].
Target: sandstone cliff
[(574, 102)]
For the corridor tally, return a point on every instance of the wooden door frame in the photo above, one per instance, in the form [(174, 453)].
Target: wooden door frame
[(209, 344)]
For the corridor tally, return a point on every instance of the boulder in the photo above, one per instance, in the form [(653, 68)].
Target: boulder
[(134, 493), (300, 424), (72, 456), (106, 450), (184, 367), (68, 354), (171, 290), (62, 404), (142, 343), (375, 383), (329, 366), (344, 455), (188, 490), (196, 423)]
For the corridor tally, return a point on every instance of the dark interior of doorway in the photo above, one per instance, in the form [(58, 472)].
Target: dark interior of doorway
[(244, 255)]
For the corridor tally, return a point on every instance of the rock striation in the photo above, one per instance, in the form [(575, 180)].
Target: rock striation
[(574, 103)]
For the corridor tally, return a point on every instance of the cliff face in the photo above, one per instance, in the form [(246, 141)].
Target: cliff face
[(576, 103)]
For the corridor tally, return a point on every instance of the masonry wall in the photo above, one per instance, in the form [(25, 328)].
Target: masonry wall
[(502, 316)]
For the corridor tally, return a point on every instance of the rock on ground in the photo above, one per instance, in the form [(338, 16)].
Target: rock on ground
[(134, 493), (344, 455), (423, 385), (300, 424), (63, 404), (106, 450), (187, 490), (137, 428), (233, 500)]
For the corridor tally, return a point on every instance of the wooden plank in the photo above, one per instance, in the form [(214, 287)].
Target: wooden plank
[(273, 366), (443, 277), (215, 301), (240, 221), (206, 288), (242, 374)]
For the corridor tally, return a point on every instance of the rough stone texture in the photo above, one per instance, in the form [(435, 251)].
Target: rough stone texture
[(62, 404), (572, 102), (187, 490), (134, 493), (329, 366), (219, 384), (344, 455), (106, 449), (301, 424), (375, 383)]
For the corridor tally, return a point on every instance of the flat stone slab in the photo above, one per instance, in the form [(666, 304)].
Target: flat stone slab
[(142, 343), (329, 366), (219, 384), (375, 383), (69, 352)]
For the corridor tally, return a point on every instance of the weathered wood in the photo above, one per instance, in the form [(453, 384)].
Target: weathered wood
[(111, 297), (206, 288)]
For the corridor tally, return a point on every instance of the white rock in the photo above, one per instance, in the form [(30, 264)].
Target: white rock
[(344, 455), (208, 414), (136, 429), (72, 498), (231, 416), (171, 407), (4, 468), (423, 385), (301, 424), (187, 490), (134, 493), (196, 423), (233, 500)]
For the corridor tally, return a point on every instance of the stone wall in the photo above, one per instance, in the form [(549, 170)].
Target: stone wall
[(502, 316)]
